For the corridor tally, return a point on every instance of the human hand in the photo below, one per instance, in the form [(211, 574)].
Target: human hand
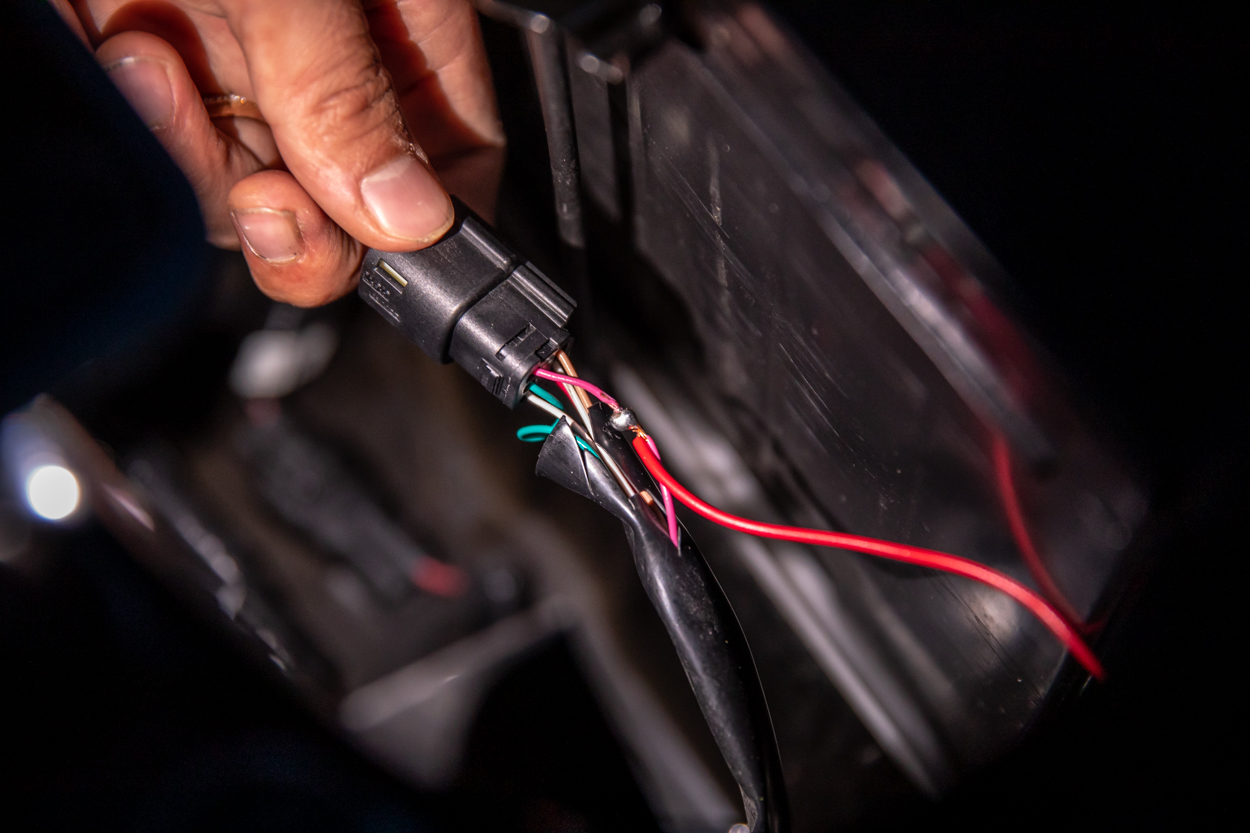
[(359, 104)]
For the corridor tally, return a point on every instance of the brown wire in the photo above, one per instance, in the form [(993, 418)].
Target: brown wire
[(566, 365)]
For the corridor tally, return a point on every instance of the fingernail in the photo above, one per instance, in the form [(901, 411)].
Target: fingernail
[(271, 235), (407, 200), (145, 84)]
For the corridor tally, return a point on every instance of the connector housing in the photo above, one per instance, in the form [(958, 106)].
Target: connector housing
[(470, 299)]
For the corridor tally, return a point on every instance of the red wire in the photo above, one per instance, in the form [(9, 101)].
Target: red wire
[(884, 549), (1020, 532)]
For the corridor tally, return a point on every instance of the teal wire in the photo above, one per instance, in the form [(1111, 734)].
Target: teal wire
[(538, 391), (538, 433), (586, 446), (535, 433)]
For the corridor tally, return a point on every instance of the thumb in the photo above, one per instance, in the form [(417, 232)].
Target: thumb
[(319, 82)]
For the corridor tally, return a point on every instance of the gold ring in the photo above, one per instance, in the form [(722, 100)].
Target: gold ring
[(232, 106)]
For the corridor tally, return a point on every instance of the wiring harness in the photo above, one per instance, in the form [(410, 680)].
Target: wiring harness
[(1059, 618)]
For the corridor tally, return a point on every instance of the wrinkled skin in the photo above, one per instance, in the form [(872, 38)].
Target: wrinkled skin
[(371, 112)]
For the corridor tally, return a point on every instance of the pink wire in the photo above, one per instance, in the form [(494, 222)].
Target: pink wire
[(668, 501), (543, 373)]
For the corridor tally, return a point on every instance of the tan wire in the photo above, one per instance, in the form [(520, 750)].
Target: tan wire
[(566, 364)]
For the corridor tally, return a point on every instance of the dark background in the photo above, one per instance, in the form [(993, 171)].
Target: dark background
[(1098, 151), (1099, 155)]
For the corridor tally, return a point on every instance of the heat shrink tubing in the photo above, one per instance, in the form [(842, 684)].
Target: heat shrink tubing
[(471, 300), (700, 622)]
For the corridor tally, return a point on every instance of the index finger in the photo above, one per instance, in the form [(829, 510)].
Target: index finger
[(336, 119)]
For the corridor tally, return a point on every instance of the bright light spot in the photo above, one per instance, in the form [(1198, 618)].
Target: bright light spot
[(52, 492)]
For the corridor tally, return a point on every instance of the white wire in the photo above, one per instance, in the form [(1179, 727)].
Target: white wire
[(579, 407), (534, 399)]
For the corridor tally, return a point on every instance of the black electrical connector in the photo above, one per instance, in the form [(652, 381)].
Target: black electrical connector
[(471, 300)]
